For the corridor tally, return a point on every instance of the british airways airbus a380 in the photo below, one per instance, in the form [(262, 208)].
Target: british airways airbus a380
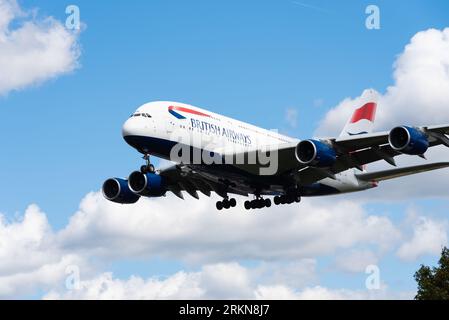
[(213, 153)]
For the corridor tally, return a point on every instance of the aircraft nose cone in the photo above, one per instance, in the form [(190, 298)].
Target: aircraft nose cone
[(127, 128), (132, 132)]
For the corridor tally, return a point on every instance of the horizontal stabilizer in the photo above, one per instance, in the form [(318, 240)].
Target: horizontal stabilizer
[(400, 172)]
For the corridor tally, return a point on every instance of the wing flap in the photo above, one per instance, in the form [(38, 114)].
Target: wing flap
[(400, 172), (444, 129)]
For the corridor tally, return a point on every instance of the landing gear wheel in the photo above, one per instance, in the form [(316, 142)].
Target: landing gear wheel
[(253, 204), (247, 205), (267, 203), (148, 167), (226, 204), (277, 200)]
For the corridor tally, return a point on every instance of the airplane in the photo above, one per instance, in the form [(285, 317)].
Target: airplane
[(214, 153)]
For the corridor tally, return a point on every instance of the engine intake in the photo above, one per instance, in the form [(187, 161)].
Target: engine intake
[(315, 153), (117, 190), (147, 184), (408, 140)]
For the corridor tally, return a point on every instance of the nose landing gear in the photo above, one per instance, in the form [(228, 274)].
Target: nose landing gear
[(148, 167)]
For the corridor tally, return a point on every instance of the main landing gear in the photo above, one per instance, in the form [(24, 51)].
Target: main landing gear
[(286, 199), (257, 203), (148, 167), (226, 204)]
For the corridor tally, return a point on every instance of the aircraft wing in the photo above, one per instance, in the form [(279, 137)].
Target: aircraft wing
[(283, 154), (400, 172), (351, 143), (191, 179), (353, 152), (357, 151)]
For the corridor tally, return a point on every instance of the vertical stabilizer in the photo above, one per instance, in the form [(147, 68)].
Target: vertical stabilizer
[(362, 120)]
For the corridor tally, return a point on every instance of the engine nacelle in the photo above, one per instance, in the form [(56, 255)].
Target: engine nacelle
[(408, 140), (117, 190), (315, 153), (147, 184)]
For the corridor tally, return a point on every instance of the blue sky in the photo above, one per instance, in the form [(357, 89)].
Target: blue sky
[(250, 60)]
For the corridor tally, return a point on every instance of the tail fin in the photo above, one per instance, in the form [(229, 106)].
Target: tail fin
[(362, 120)]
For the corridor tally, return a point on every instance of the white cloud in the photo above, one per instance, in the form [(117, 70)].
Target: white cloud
[(219, 281), (213, 281), (179, 286), (310, 293), (429, 237), (224, 280), (323, 293), (30, 257), (35, 51), (151, 227), (281, 240)]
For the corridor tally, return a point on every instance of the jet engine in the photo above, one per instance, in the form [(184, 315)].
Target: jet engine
[(147, 184), (408, 140), (315, 153), (117, 190)]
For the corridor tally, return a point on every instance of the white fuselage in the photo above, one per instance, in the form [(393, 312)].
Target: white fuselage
[(156, 127), (203, 129)]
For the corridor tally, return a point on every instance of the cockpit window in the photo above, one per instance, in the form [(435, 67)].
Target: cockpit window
[(146, 115)]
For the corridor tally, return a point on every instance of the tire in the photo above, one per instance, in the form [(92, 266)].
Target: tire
[(150, 168), (282, 200), (247, 205), (143, 169), (298, 199), (277, 200), (254, 204), (219, 205), (233, 202), (226, 204), (267, 203)]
